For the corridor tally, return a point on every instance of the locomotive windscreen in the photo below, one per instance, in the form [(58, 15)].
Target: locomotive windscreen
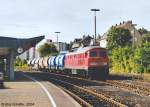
[(93, 54), (102, 53)]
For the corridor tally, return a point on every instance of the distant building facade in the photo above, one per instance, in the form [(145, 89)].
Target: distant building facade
[(136, 36), (60, 46), (103, 41), (29, 54), (82, 42)]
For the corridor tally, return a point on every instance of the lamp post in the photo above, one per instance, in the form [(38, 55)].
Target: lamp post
[(95, 10), (133, 40), (57, 39)]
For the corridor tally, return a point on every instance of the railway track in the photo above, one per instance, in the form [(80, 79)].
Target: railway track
[(77, 98), (135, 88), (86, 97), (95, 99), (137, 78), (97, 87), (138, 89), (135, 83), (147, 84), (142, 83)]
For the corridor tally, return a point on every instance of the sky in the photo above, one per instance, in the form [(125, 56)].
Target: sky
[(73, 18)]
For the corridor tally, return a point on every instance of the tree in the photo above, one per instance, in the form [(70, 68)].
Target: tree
[(118, 37), (146, 37), (142, 56), (47, 49), (143, 31), (120, 58)]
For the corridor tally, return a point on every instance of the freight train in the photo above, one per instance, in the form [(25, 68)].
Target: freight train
[(91, 62)]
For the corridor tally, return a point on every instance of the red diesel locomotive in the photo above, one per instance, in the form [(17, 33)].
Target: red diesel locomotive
[(92, 62)]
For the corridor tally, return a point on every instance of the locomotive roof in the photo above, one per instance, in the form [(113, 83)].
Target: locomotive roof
[(84, 49)]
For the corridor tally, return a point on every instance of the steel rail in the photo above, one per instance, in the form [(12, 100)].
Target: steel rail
[(139, 90), (78, 99), (98, 95)]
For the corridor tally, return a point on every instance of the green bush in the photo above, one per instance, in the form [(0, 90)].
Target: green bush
[(120, 59), (47, 49), (20, 64), (148, 69)]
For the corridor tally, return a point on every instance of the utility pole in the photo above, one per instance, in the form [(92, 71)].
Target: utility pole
[(57, 39), (95, 10)]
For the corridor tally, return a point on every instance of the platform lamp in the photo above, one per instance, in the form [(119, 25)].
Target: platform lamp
[(57, 39), (133, 42), (95, 10)]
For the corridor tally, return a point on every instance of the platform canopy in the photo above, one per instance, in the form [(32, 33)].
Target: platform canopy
[(18, 45), (11, 47)]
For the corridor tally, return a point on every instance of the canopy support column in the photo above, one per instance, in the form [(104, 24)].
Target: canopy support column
[(10, 65)]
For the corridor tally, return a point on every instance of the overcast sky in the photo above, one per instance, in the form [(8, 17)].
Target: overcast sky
[(73, 18)]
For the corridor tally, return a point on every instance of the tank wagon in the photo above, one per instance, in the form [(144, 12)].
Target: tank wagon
[(52, 63), (90, 62), (60, 60), (45, 63), (36, 65), (40, 63)]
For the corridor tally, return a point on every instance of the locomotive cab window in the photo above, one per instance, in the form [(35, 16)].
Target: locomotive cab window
[(102, 53), (93, 54)]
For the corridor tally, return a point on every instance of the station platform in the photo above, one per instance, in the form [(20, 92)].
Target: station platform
[(25, 92)]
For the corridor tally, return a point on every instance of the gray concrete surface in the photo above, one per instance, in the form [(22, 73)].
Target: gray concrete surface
[(26, 93)]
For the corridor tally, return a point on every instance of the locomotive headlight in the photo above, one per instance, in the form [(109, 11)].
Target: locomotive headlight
[(94, 63), (98, 63), (105, 63)]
